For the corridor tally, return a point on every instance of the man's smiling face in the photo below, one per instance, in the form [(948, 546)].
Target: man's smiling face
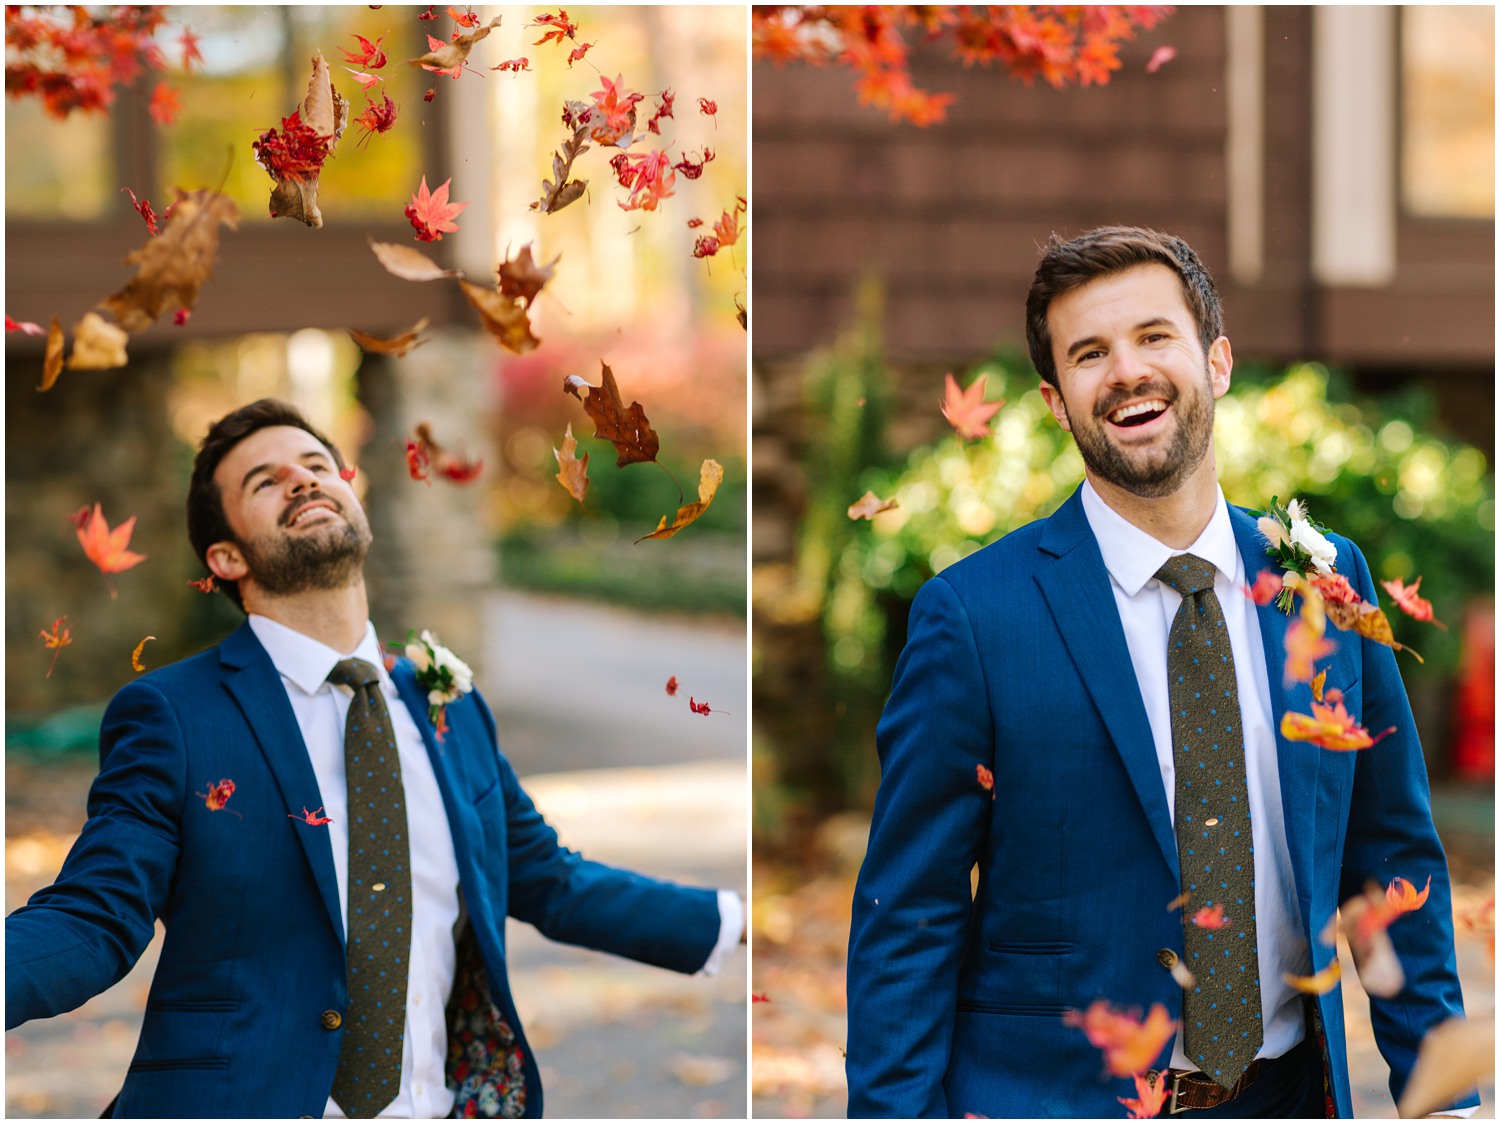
[(297, 524), (1137, 392)]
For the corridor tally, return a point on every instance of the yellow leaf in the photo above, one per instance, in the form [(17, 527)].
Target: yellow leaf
[(710, 476)]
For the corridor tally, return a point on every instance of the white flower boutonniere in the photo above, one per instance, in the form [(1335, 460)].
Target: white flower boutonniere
[(1297, 543), (440, 673)]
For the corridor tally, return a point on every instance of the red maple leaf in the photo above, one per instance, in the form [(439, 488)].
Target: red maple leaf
[(1129, 1044), (1213, 918), (218, 795), (143, 208), (417, 460), (759, 998), (1414, 606), (203, 585), (514, 65), (691, 168), (647, 176), (431, 214), (466, 18), (672, 685), (1401, 895), (558, 27), (577, 53), (165, 104), (26, 326), (1150, 1095), (190, 52), (613, 111), (58, 639), (317, 819), (376, 119), (706, 246), (347, 473), (429, 14), (710, 109), (663, 109), (370, 56), (966, 410), (105, 548), (1266, 589), (429, 95), (698, 707)]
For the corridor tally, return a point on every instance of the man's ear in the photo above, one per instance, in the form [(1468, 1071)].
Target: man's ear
[(1053, 397), (1220, 365), (226, 562)]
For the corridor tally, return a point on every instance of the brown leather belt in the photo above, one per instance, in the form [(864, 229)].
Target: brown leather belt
[(1190, 1089)]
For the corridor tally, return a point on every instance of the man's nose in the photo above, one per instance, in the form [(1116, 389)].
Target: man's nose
[(298, 478), (1128, 366)]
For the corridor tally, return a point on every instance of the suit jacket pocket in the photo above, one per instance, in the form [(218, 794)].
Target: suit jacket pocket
[(1020, 977), (178, 1063)]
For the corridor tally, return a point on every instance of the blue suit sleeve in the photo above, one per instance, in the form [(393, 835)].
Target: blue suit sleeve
[(83, 933), (571, 899), (1391, 833), (912, 902)]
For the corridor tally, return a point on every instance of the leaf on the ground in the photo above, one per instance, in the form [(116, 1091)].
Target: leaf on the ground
[(572, 470), (869, 505), (173, 266), (52, 362), (449, 58), (294, 157), (98, 345), (625, 428), (1454, 1056), (410, 263), (559, 191), (710, 476), (135, 656), (522, 278), (397, 345), (502, 316)]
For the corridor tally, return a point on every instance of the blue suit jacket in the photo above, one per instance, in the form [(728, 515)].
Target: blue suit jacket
[(254, 949), (1016, 660)]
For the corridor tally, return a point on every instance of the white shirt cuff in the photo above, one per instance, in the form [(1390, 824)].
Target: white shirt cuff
[(1463, 1112), (731, 925)]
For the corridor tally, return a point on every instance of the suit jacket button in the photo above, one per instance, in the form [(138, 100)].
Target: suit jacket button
[(332, 1020), (1167, 958)]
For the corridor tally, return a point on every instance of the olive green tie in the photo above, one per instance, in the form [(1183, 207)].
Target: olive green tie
[(1221, 1011), (379, 917)]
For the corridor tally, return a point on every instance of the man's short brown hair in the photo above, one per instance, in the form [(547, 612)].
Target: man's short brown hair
[(1110, 249), (207, 523)]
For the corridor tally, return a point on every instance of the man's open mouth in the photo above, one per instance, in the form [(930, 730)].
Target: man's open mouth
[(308, 509), (1138, 413)]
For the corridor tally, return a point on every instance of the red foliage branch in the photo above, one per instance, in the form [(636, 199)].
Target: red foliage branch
[(1059, 43)]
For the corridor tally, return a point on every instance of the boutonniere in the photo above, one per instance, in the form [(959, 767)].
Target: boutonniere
[(440, 673), (1300, 547)]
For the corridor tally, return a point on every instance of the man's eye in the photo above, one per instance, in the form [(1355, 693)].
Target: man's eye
[(265, 482)]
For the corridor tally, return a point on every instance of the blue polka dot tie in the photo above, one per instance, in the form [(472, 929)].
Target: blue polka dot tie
[(1221, 1011), (379, 877)]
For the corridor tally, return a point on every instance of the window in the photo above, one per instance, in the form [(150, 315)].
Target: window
[(1448, 111)]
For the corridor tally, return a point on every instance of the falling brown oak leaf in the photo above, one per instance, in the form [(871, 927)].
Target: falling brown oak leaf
[(397, 345), (98, 345), (521, 278), (456, 53), (409, 263), (559, 191), (1365, 620), (572, 470), (52, 361), (502, 316), (710, 476), (173, 265), (869, 505), (627, 430)]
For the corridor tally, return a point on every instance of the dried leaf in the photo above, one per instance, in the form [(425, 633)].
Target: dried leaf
[(1130, 1046), (295, 156), (742, 314), (1329, 726), (869, 505), (98, 345), (559, 191), (502, 316), (966, 410), (58, 639), (450, 57), (1368, 621), (1454, 1056), (174, 265), (395, 345), (522, 279), (627, 429), (52, 362), (410, 263), (1319, 984), (135, 656), (1317, 685), (424, 450), (710, 476), (317, 819), (573, 474)]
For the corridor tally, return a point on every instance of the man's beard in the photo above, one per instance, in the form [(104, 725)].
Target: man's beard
[(328, 558), (1158, 473)]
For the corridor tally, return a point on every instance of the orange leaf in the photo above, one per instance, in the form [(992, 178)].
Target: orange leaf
[(1267, 586), (869, 505), (203, 585), (1317, 685), (1416, 607), (165, 104), (1329, 726), (1130, 1046), (218, 795), (58, 639), (52, 363), (431, 214), (1364, 920), (573, 474), (1304, 647), (395, 345), (1149, 1097), (135, 656), (986, 779), (1402, 895), (503, 317), (1214, 918), (627, 429), (1319, 984), (966, 410), (1366, 620), (105, 548), (710, 476)]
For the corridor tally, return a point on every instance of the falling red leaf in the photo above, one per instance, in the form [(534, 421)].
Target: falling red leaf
[(466, 18), (1213, 918), (613, 114), (317, 819), (294, 157), (1130, 1046), (135, 656), (203, 585), (429, 14), (348, 473), (366, 81), (165, 104), (627, 429), (417, 461), (429, 95), (701, 707), (25, 326), (180, 317), (376, 119), (648, 176), (557, 27), (1329, 726), (1403, 896), (1304, 648), (577, 53), (663, 109), (190, 53), (710, 108), (425, 456), (671, 683), (143, 207), (694, 224), (1334, 588), (431, 214), (691, 168), (706, 246), (1150, 1095), (1160, 57), (369, 56), (58, 639), (966, 410), (759, 998), (1266, 589), (870, 505), (1414, 606), (986, 779), (218, 795), (105, 548), (514, 65)]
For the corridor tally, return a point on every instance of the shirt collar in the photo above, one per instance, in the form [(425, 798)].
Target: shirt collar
[(305, 661), (1132, 557)]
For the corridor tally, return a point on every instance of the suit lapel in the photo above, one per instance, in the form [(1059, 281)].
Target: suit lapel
[(255, 685), (1077, 590), (1296, 762)]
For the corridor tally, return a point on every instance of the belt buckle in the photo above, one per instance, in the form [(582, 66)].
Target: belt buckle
[(1172, 1109)]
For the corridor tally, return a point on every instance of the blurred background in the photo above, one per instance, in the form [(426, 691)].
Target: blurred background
[(573, 630), (1333, 166)]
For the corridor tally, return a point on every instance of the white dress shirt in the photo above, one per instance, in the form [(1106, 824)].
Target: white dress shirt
[(320, 708), (1147, 607)]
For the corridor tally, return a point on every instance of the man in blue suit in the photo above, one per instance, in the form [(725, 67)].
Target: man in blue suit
[(261, 1005), (1043, 661)]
